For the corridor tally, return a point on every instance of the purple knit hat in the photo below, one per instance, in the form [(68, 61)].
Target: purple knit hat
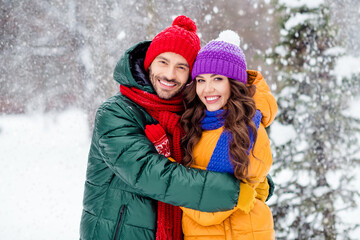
[(222, 56)]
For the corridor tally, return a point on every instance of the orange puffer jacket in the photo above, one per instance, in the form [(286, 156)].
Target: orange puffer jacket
[(252, 218)]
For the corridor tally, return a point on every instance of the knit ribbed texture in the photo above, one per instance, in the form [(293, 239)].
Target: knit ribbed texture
[(223, 58), (220, 159), (180, 38)]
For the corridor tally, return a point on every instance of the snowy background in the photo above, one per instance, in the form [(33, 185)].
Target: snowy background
[(43, 165), (56, 67)]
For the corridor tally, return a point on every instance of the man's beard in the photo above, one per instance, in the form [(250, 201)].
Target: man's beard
[(163, 94)]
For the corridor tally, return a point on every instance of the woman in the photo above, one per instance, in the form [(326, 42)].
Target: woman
[(225, 132)]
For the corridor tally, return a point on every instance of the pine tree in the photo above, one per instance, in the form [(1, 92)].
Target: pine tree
[(313, 168)]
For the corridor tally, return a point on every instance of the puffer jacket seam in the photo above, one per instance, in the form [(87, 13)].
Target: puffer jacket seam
[(202, 191), (131, 225), (98, 217), (204, 235), (101, 109), (112, 165), (231, 233), (110, 220), (139, 109), (138, 176), (106, 107), (142, 168), (252, 227), (168, 183)]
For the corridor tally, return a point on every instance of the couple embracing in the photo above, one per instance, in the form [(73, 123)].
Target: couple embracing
[(181, 152)]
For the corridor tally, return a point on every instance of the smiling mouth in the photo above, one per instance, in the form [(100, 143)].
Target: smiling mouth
[(167, 84), (212, 99)]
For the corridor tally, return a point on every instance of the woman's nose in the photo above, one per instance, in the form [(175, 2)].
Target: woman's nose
[(209, 87)]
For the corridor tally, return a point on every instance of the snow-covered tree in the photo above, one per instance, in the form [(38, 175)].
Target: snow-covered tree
[(312, 168)]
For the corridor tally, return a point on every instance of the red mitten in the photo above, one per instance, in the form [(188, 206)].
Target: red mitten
[(157, 136)]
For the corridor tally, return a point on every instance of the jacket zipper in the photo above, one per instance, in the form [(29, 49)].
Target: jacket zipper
[(122, 210)]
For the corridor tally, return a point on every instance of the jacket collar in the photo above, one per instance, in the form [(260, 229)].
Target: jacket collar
[(130, 71)]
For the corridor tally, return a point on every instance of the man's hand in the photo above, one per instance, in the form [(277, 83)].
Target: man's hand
[(157, 136)]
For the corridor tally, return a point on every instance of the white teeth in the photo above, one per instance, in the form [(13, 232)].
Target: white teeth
[(168, 84), (212, 98)]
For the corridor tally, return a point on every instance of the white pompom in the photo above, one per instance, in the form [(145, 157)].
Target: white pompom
[(230, 37)]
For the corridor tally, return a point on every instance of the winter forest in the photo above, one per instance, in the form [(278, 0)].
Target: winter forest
[(56, 66)]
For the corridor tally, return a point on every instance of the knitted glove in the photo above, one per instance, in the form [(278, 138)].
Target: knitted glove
[(247, 196), (262, 190), (156, 134), (265, 189)]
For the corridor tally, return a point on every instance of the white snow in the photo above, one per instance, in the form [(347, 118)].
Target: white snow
[(352, 215), (346, 66), (241, 12), (335, 51), (300, 3), (281, 51), (85, 56), (48, 51), (299, 18), (215, 9), (43, 166), (281, 134), (208, 18), (121, 35), (267, 1)]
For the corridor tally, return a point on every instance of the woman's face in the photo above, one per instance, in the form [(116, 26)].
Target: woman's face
[(213, 90)]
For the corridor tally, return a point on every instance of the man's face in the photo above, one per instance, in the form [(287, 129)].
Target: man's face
[(169, 73)]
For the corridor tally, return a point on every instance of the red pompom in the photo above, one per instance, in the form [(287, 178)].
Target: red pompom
[(185, 22)]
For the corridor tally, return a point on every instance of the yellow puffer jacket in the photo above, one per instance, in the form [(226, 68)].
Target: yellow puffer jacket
[(252, 218)]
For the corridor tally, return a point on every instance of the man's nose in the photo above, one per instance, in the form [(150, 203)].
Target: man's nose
[(170, 73)]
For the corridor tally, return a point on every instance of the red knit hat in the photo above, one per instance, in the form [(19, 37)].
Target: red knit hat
[(180, 38)]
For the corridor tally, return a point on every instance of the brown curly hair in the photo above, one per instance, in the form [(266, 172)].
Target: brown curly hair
[(241, 110)]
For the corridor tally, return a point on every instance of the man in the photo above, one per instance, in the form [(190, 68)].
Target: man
[(131, 191)]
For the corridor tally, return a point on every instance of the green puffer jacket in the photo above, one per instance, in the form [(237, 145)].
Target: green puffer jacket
[(126, 176)]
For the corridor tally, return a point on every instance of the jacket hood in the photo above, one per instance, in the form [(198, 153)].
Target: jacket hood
[(129, 70), (264, 99)]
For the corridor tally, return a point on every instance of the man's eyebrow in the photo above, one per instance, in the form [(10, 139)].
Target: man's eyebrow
[(163, 58), (166, 59), (184, 64)]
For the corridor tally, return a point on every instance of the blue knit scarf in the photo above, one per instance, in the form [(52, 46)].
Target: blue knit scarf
[(220, 160)]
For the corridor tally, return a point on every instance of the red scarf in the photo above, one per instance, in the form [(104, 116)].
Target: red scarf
[(164, 111)]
